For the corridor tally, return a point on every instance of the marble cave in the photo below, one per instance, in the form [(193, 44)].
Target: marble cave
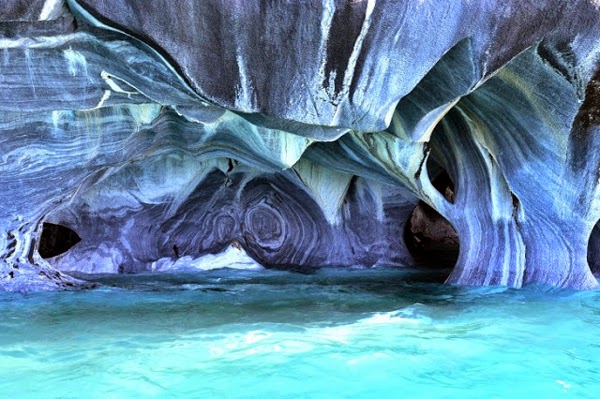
[(163, 136)]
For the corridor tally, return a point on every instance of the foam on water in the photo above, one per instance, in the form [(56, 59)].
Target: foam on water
[(334, 334)]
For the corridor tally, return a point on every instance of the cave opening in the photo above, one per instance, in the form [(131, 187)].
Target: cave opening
[(56, 239), (594, 250), (431, 240)]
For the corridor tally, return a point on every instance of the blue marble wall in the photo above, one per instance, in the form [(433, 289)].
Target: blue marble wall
[(300, 134)]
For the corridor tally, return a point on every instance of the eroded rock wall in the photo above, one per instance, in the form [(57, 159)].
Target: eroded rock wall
[(301, 133)]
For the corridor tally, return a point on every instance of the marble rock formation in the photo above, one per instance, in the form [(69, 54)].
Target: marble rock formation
[(160, 135)]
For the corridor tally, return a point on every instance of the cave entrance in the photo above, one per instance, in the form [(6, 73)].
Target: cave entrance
[(56, 240), (594, 250), (429, 237)]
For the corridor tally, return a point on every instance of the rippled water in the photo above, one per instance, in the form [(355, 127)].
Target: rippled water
[(357, 334)]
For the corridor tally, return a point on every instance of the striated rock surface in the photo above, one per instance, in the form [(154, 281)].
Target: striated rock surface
[(295, 135)]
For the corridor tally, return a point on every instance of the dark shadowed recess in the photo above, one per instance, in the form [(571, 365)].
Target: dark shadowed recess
[(430, 238), (56, 239), (594, 251)]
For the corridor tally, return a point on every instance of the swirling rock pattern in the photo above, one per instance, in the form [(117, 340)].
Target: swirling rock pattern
[(299, 134), (274, 217)]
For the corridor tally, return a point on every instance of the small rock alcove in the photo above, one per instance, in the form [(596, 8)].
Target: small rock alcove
[(56, 239), (429, 237)]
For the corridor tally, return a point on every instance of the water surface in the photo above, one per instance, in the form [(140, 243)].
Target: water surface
[(268, 334)]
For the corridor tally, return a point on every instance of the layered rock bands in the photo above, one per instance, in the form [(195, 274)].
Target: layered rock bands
[(140, 136)]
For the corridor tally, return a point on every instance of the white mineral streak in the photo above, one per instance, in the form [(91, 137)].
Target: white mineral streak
[(376, 195), (356, 52), (111, 81), (425, 127), (78, 10), (180, 189), (317, 83), (51, 9), (245, 90), (328, 187), (76, 61), (103, 99)]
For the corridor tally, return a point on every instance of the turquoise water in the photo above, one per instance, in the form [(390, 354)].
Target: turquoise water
[(351, 334)]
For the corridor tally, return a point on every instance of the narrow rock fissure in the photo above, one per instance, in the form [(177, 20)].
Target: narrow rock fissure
[(516, 209)]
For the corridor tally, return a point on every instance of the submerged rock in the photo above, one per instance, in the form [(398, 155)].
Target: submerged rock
[(305, 132)]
